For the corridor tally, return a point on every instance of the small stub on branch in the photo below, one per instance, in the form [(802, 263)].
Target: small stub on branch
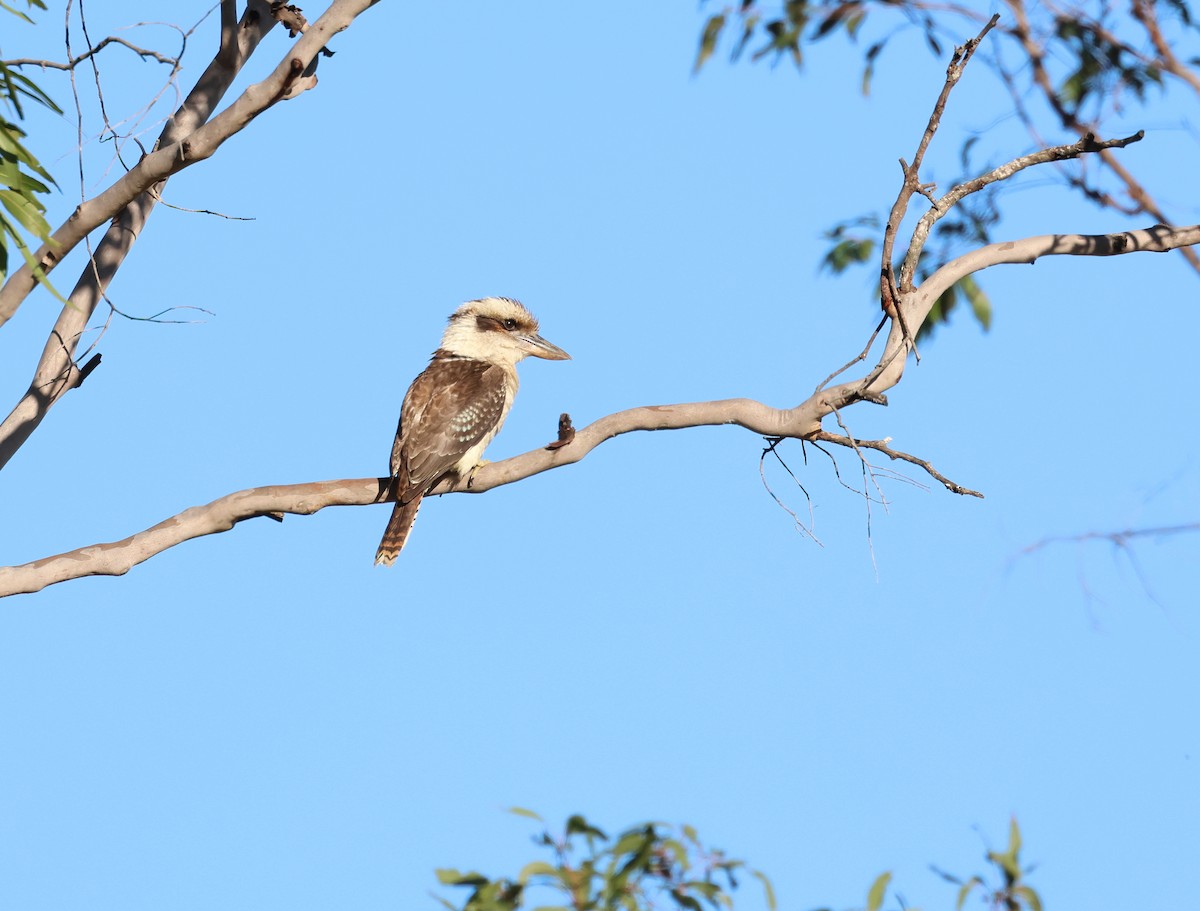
[(566, 432), (292, 18), (289, 16), (87, 368)]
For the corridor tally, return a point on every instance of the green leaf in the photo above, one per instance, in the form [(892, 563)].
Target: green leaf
[(31, 89), (683, 900), (26, 211), (678, 851), (768, 889), (848, 252), (878, 891), (17, 12), (635, 841), (869, 69), (1014, 837), (577, 825), (528, 814), (966, 890), (448, 876), (536, 868), (832, 21), (708, 40), (1032, 900), (981, 306), (11, 147), (13, 177), (8, 228), (748, 26)]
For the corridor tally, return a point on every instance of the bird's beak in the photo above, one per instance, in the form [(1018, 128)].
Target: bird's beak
[(539, 347)]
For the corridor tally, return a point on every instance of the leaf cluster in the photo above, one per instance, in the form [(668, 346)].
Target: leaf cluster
[(1007, 890), (786, 29), (22, 177), (648, 866), (1010, 892)]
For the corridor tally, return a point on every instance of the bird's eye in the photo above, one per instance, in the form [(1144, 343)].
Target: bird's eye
[(510, 324)]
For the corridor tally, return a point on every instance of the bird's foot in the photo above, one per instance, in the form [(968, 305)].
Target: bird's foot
[(471, 473)]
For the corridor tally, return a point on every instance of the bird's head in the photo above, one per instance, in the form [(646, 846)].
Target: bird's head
[(497, 330)]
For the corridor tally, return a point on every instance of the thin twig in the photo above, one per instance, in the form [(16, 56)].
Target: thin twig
[(862, 356), (75, 61), (882, 446)]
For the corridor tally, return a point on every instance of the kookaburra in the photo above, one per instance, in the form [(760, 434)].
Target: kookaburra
[(458, 404)]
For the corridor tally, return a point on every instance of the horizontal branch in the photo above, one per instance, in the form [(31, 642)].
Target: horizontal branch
[(1156, 239), (917, 304), (801, 422), (118, 557)]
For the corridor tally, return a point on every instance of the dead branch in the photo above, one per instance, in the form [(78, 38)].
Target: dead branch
[(894, 454), (75, 61)]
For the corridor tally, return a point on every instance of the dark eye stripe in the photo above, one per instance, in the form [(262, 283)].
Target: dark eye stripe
[(492, 324)]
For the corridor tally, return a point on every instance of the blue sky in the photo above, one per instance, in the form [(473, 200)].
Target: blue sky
[(262, 719)]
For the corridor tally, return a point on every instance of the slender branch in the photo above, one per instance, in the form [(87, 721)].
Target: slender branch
[(1117, 538), (941, 207), (889, 291), (894, 454), (75, 61)]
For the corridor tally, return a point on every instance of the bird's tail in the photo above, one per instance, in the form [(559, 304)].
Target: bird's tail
[(398, 527)]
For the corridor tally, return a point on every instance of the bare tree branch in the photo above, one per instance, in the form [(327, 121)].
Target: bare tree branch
[(894, 454), (910, 305), (75, 61), (189, 137), (1116, 538), (801, 422)]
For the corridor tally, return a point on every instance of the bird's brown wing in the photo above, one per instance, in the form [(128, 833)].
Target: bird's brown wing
[(453, 405)]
